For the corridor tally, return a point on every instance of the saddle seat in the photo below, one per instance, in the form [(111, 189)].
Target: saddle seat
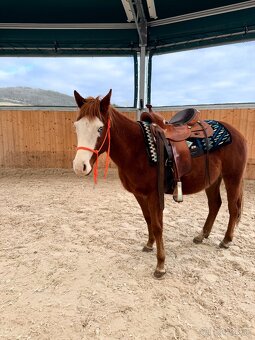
[(183, 125), (187, 116)]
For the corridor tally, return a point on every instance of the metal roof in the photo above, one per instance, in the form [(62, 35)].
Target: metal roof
[(120, 27)]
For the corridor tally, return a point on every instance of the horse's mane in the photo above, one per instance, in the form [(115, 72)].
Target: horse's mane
[(91, 109)]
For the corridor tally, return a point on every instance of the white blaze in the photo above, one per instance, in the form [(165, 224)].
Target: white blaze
[(87, 134)]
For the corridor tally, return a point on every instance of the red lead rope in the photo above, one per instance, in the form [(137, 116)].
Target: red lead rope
[(107, 160)]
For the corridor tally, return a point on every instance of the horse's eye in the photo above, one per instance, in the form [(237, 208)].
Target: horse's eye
[(100, 130)]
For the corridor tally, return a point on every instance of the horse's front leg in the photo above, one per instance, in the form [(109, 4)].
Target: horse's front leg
[(156, 215), (143, 202)]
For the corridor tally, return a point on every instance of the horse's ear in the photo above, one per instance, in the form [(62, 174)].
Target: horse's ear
[(105, 102), (79, 99)]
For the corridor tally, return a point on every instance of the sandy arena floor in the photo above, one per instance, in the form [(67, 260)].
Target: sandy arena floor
[(71, 264)]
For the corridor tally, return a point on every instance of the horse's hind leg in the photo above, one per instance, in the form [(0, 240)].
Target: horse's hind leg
[(144, 206), (235, 195), (214, 204)]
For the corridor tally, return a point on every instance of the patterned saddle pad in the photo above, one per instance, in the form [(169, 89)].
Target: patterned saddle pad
[(220, 137), (197, 146)]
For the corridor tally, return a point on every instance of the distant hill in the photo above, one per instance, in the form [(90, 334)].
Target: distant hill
[(27, 96)]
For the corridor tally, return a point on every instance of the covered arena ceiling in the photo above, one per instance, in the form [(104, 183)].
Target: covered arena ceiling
[(120, 27)]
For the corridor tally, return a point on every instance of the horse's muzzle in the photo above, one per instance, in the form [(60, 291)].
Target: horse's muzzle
[(81, 169)]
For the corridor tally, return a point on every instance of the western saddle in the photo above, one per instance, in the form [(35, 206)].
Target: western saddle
[(174, 133)]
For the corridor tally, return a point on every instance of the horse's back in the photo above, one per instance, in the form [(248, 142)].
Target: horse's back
[(228, 160)]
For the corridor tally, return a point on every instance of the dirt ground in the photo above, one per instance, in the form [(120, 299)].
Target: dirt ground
[(71, 265)]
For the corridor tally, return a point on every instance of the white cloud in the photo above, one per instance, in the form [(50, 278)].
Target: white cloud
[(90, 76), (211, 75), (4, 75)]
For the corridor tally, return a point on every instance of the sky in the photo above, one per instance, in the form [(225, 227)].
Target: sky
[(215, 75)]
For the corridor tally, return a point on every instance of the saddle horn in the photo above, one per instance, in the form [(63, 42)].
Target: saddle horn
[(149, 107)]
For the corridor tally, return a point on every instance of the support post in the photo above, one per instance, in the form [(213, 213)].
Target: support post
[(136, 85), (142, 77), (149, 78), (137, 10)]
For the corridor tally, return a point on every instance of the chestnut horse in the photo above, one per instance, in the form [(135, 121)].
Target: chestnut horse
[(101, 128)]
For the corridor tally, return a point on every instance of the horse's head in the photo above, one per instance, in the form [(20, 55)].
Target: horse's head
[(92, 128)]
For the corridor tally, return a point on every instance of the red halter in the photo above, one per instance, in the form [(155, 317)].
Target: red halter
[(107, 160)]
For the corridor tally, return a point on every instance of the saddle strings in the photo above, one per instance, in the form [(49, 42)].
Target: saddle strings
[(107, 160)]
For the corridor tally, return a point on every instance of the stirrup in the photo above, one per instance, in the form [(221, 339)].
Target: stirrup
[(177, 195)]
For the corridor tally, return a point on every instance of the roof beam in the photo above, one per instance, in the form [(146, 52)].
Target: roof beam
[(69, 26), (202, 14), (214, 37), (152, 9), (128, 10), (140, 20)]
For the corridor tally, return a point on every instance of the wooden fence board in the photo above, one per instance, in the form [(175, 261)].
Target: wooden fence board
[(46, 139)]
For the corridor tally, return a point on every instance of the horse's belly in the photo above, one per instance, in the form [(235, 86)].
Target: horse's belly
[(199, 178)]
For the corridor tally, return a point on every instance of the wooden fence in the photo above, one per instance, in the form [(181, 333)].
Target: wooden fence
[(46, 139)]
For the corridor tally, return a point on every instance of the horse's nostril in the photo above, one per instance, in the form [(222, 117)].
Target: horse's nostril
[(84, 167)]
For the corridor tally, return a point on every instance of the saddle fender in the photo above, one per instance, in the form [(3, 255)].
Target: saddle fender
[(182, 158), (177, 134)]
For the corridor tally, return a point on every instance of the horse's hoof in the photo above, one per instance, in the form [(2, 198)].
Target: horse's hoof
[(224, 245), (198, 239), (158, 274), (147, 249)]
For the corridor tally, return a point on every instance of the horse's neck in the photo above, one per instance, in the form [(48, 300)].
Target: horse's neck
[(126, 138)]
